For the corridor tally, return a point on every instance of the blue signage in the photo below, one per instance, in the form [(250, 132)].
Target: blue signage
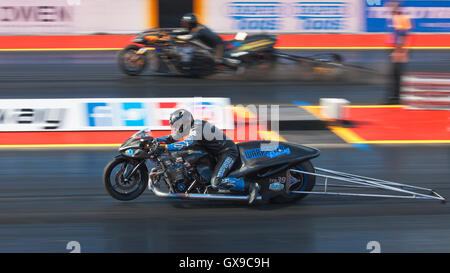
[(103, 114), (321, 15), (99, 114), (257, 15), (133, 114), (426, 16)]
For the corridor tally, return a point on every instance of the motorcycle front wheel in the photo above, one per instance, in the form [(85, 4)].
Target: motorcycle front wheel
[(130, 62), (124, 189)]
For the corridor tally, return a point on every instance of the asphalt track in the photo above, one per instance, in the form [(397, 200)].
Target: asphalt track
[(95, 74), (49, 198)]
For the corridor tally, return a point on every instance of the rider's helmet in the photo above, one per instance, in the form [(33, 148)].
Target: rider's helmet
[(181, 122), (189, 20)]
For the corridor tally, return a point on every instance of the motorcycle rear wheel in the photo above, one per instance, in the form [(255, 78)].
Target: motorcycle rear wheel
[(304, 182)]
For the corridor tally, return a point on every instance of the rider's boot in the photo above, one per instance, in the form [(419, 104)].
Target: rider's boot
[(228, 62), (253, 191), (239, 184), (231, 62)]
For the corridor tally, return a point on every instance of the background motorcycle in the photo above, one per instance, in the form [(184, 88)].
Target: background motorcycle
[(187, 174), (166, 53)]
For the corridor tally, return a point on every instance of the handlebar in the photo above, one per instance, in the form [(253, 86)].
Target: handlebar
[(154, 146)]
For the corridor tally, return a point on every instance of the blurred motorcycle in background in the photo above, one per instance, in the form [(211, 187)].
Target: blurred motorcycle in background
[(165, 53)]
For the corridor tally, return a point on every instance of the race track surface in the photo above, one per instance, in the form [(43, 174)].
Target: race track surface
[(49, 198), (95, 74)]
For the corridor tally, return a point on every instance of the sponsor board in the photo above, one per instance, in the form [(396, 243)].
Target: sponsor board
[(426, 91), (72, 16), (108, 114), (426, 16), (287, 16)]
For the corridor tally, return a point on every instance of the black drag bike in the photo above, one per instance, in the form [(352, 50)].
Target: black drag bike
[(186, 174), (165, 52), (283, 170)]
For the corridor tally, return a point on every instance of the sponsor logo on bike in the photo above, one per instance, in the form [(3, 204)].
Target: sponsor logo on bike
[(270, 153), (276, 186), (255, 45)]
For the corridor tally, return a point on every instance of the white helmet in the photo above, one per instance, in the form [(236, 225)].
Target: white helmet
[(181, 122)]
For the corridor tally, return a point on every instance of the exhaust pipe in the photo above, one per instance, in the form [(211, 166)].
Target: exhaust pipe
[(198, 196)]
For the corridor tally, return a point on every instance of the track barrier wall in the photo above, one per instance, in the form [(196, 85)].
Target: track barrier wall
[(72, 24), (426, 90), (107, 114)]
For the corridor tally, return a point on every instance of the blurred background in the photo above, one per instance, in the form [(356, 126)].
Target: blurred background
[(379, 109)]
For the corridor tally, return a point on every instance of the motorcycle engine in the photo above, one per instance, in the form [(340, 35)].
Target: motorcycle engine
[(193, 61), (178, 175)]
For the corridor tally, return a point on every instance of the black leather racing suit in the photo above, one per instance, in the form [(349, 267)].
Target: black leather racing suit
[(205, 135), (207, 36)]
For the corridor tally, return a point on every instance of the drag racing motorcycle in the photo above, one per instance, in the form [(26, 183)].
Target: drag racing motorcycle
[(283, 170), (164, 52), (187, 174), (162, 49)]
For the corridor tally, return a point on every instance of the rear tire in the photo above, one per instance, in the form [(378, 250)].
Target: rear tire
[(141, 176), (307, 183), (126, 65)]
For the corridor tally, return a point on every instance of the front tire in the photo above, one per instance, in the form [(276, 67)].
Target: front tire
[(130, 62), (120, 189), (302, 182)]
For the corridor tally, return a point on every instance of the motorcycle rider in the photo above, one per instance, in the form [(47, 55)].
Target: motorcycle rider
[(201, 133), (202, 33)]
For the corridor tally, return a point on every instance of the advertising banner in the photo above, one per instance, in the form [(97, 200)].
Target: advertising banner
[(108, 114), (426, 16), (287, 16), (72, 16)]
